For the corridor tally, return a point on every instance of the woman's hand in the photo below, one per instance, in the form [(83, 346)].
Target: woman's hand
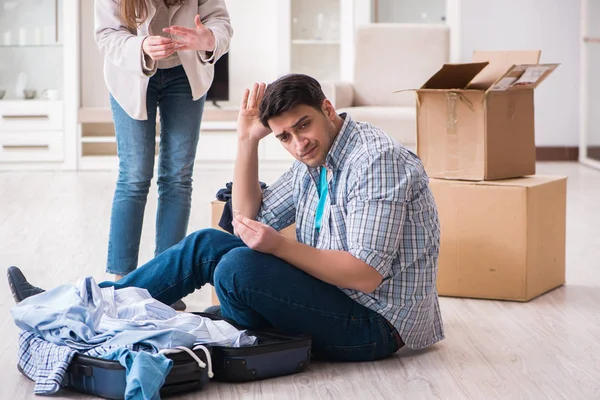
[(158, 47), (248, 124), (200, 38)]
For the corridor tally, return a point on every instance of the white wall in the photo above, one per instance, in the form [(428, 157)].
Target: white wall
[(253, 55), (93, 91), (552, 26)]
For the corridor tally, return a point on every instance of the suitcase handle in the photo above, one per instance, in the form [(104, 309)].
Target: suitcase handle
[(201, 363)]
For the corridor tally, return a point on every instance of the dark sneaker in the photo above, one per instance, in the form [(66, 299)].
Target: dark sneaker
[(216, 310), (19, 287), (179, 305)]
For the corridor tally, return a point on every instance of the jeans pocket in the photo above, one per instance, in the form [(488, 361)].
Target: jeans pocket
[(363, 352)]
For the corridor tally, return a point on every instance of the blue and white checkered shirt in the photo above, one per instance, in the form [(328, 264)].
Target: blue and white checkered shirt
[(381, 210)]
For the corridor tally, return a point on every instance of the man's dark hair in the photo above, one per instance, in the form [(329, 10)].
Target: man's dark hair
[(288, 92)]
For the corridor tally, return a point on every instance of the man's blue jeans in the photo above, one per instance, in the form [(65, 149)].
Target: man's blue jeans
[(180, 118), (261, 291)]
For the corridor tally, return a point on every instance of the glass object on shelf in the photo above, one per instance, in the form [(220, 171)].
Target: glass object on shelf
[(21, 85), (315, 20), (409, 11), (299, 30), (319, 27)]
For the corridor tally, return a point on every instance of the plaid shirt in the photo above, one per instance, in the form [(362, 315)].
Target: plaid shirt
[(46, 363), (380, 209)]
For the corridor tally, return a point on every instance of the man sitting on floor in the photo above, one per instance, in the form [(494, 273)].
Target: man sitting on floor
[(361, 277)]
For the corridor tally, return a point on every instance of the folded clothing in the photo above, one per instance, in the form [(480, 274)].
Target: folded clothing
[(224, 194)]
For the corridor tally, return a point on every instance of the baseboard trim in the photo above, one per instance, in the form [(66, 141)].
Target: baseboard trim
[(557, 153)]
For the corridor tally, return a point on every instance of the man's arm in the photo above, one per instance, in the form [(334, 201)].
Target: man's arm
[(246, 194), (337, 267), (384, 189)]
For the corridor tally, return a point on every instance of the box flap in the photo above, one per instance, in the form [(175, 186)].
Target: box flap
[(524, 76), (499, 63), (454, 76)]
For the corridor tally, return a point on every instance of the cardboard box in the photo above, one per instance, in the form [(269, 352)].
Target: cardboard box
[(216, 210), (502, 239), (475, 121)]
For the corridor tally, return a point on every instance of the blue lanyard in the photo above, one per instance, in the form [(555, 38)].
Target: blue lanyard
[(322, 191)]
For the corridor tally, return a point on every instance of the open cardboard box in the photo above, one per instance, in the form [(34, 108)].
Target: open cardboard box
[(475, 121)]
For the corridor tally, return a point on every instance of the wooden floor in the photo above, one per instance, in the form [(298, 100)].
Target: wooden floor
[(55, 226)]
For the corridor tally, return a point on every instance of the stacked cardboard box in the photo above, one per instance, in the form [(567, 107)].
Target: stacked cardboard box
[(502, 226)]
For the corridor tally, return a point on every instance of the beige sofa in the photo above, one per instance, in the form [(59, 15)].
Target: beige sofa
[(390, 57)]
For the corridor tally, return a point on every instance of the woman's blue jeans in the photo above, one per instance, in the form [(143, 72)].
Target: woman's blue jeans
[(261, 291), (180, 117)]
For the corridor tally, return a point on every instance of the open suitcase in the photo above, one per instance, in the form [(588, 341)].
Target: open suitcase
[(275, 354)]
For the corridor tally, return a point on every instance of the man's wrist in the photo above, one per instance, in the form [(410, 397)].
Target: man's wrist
[(246, 141), (280, 249)]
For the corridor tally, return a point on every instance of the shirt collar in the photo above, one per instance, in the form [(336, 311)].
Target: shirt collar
[(339, 148)]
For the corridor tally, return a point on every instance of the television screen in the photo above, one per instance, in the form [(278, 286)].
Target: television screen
[(219, 91)]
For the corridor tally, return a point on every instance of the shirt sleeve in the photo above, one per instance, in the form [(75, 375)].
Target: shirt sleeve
[(278, 209), (120, 45), (209, 56), (149, 66), (377, 208), (215, 16)]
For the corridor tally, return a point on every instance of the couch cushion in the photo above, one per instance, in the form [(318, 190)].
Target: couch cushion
[(390, 57), (398, 122)]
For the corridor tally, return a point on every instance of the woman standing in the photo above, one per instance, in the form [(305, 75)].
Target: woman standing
[(158, 54)]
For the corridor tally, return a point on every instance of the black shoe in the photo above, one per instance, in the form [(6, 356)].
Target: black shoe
[(216, 310), (19, 287), (179, 305)]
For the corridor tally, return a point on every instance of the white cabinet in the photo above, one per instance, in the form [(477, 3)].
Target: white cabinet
[(38, 84), (31, 131)]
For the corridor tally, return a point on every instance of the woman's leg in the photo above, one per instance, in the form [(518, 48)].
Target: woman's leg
[(136, 150), (180, 118)]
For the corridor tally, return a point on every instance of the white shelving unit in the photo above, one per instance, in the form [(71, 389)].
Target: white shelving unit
[(316, 37), (41, 43), (314, 42), (216, 147)]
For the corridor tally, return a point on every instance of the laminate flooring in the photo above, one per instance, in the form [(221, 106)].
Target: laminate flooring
[(55, 226)]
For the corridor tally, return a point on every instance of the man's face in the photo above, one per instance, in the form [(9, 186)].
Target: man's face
[(306, 133)]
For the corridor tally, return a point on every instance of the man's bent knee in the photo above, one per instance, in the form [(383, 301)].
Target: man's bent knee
[(238, 269), (208, 235)]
